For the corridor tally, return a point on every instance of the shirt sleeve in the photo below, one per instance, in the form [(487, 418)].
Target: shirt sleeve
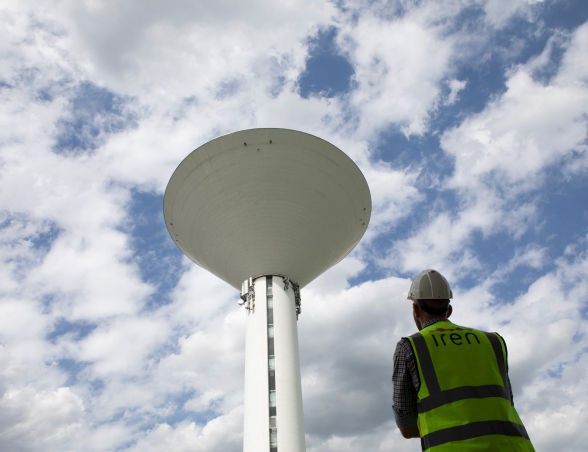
[(405, 385)]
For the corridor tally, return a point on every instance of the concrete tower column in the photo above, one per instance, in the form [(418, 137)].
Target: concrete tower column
[(273, 395)]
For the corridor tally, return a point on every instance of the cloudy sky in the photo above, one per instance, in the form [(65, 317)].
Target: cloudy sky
[(468, 119)]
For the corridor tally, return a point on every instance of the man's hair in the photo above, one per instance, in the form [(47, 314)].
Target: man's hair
[(433, 307)]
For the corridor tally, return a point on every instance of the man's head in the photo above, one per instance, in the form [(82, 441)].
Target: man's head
[(430, 293)]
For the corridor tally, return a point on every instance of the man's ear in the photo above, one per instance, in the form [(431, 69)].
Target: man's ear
[(416, 309), (449, 310)]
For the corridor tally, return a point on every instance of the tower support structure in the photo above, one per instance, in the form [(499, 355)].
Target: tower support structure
[(273, 394), (254, 205)]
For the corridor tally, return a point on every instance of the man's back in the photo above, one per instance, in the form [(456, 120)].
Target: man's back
[(464, 401)]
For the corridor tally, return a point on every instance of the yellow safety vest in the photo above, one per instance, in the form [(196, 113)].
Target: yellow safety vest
[(464, 401)]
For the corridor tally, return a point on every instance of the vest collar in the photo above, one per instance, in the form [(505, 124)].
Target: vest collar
[(428, 323)]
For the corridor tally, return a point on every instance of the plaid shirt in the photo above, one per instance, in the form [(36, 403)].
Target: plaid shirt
[(406, 382)]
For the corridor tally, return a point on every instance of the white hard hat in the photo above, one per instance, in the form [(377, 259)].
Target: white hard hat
[(430, 285)]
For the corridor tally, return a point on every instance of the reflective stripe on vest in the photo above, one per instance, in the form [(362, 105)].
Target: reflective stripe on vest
[(490, 402), (472, 430)]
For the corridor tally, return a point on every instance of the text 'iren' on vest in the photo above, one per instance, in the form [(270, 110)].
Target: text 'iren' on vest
[(455, 338)]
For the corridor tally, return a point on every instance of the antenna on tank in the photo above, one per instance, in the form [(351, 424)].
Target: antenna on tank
[(267, 211)]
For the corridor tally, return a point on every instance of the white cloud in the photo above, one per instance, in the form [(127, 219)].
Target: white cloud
[(34, 420), (455, 86), (199, 297), (574, 68), (122, 347), (209, 361), (90, 277), (346, 346), (387, 69), (532, 257), (222, 434), (186, 48), (500, 153), (499, 12), (565, 417), (528, 128), (52, 417), (444, 240), (394, 195), (384, 438)]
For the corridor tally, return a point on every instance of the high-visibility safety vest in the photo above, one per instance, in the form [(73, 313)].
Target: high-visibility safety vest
[(464, 400)]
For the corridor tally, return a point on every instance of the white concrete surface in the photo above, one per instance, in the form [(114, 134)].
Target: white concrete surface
[(289, 414), (267, 201)]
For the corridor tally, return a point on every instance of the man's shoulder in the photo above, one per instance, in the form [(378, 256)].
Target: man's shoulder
[(404, 341), (403, 347)]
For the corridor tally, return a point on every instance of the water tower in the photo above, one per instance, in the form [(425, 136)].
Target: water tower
[(267, 211)]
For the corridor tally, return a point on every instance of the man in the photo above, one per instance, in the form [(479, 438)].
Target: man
[(451, 385)]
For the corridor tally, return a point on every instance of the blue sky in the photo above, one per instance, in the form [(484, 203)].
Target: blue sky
[(468, 119)]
